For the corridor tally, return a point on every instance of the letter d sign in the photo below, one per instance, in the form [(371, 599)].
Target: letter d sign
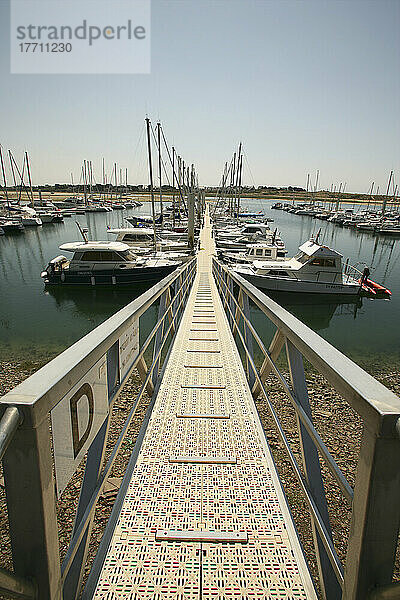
[(82, 400)]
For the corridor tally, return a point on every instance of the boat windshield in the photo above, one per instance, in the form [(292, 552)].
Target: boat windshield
[(302, 257)]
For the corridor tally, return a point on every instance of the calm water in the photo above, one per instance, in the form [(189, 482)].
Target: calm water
[(35, 323), (367, 330)]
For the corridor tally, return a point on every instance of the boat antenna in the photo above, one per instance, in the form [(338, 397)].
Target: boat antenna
[(317, 236), (83, 232)]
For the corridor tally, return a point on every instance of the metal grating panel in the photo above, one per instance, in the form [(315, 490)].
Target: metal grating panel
[(204, 411)]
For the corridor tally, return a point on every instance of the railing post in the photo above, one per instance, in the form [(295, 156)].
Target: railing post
[(30, 485), (248, 337), (158, 337), (375, 516), (94, 463), (230, 298), (170, 311), (330, 586)]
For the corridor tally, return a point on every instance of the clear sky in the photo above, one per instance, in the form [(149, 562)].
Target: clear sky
[(305, 85)]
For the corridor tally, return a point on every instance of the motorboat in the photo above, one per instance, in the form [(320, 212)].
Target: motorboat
[(11, 225), (261, 251), (144, 237), (249, 229), (105, 263), (47, 216), (315, 269), (389, 228)]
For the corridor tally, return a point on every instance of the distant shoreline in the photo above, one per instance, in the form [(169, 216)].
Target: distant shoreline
[(277, 196)]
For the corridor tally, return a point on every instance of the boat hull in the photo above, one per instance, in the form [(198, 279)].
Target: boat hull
[(299, 286), (108, 277)]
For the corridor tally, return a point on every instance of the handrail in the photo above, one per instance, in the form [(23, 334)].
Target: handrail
[(32, 396), (378, 406), (8, 426), (107, 469), (329, 460), (35, 398), (325, 536)]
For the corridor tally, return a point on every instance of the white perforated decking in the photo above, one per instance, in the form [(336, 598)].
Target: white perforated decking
[(204, 467)]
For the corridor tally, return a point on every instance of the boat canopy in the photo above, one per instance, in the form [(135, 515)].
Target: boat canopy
[(82, 246), (311, 249), (133, 230)]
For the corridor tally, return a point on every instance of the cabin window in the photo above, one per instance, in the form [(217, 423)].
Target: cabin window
[(323, 262), (277, 273), (96, 256), (280, 254), (91, 256), (268, 253), (259, 252)]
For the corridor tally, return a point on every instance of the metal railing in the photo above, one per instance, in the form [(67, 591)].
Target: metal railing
[(375, 500), (26, 440)]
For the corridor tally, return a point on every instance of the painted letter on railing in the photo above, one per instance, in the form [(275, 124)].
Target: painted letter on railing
[(75, 421)]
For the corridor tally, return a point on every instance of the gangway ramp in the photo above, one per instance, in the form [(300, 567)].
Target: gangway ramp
[(204, 514)]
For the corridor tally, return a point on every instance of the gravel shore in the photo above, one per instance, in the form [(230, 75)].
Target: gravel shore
[(339, 426)]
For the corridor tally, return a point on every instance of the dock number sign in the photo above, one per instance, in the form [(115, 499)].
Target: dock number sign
[(128, 348), (76, 420)]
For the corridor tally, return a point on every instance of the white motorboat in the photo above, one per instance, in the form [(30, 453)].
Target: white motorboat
[(261, 251), (315, 269), (105, 263), (144, 237)]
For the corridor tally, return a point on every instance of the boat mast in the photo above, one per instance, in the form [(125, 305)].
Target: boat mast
[(159, 164), (387, 194), (151, 181), (29, 178), (84, 181), (239, 181), (173, 187), (236, 195), (231, 186), (104, 178), (4, 178), (308, 183)]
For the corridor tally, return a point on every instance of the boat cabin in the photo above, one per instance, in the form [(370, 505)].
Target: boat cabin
[(97, 255), (259, 251), (313, 261), (134, 236)]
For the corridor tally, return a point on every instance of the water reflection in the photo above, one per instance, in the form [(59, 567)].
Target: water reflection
[(316, 311)]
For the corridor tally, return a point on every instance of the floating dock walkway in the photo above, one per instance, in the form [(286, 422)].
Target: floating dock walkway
[(204, 515)]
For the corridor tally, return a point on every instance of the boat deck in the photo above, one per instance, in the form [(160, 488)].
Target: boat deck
[(204, 515)]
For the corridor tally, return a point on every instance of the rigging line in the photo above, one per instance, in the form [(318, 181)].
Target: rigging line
[(222, 186), (260, 204), (162, 160), (170, 160), (139, 143)]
